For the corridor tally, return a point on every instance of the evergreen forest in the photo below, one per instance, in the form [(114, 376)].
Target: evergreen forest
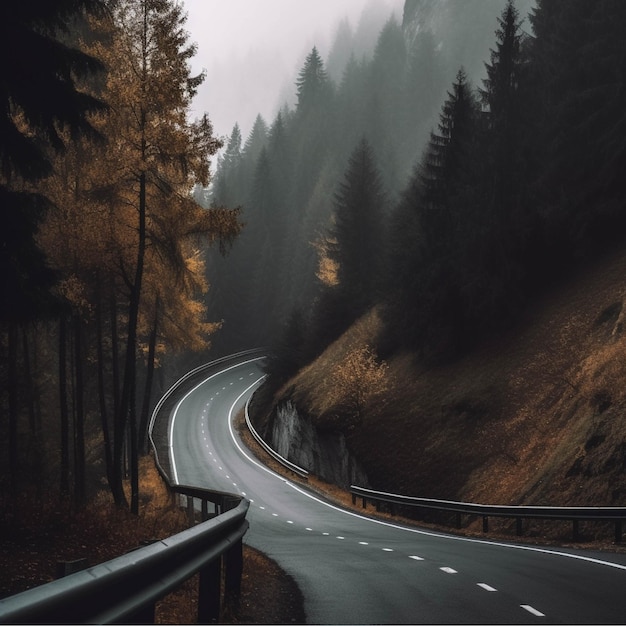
[(449, 196), (447, 175)]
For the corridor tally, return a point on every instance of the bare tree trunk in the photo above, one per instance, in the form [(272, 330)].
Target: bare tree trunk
[(79, 419), (115, 355), (147, 394), (13, 410), (32, 396), (119, 422), (127, 414), (28, 382), (64, 412), (102, 398)]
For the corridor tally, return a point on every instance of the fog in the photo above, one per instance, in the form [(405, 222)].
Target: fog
[(284, 173), (251, 50)]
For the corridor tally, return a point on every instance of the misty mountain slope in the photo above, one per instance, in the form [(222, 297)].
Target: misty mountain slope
[(534, 417), (286, 172), (462, 29)]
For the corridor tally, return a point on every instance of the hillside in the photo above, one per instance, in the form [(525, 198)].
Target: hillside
[(535, 416)]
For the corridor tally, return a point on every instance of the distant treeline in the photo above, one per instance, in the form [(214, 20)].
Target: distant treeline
[(519, 179)]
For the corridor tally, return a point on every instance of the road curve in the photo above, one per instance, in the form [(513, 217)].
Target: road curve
[(356, 570)]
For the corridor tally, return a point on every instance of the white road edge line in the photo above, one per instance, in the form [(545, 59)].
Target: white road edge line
[(417, 531), (175, 412), (232, 432)]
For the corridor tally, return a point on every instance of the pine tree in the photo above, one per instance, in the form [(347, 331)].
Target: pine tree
[(312, 85), (37, 57), (578, 59), (341, 50), (256, 140), (228, 190), (502, 235), (422, 96), (445, 168), (385, 126), (357, 231), (429, 235)]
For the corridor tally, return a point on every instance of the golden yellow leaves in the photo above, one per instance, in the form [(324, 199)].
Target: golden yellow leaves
[(327, 267), (354, 381)]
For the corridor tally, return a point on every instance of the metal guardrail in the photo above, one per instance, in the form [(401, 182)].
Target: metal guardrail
[(519, 513), (159, 422), (282, 460), (126, 589)]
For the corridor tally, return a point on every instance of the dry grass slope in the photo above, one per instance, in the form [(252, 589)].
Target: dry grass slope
[(534, 417)]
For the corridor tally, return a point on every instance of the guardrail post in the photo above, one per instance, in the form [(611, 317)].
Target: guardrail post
[(190, 512), (458, 520), (575, 533), (209, 592), (618, 531), (353, 499), (205, 510), (364, 502), (65, 568), (519, 529), (233, 564), (485, 524)]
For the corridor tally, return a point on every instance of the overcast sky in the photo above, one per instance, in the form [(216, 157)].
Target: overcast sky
[(252, 50)]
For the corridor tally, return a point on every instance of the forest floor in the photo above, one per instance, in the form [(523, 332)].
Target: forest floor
[(40, 535)]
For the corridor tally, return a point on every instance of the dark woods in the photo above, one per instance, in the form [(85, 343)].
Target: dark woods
[(460, 203), (102, 246)]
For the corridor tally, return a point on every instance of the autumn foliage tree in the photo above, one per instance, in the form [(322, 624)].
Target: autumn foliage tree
[(150, 168), (355, 380), (128, 241)]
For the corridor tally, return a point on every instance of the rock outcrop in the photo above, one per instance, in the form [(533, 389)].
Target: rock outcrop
[(323, 453)]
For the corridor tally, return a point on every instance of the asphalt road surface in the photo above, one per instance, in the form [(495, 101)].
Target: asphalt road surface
[(356, 570)]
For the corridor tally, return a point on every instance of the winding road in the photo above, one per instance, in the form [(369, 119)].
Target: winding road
[(353, 569)]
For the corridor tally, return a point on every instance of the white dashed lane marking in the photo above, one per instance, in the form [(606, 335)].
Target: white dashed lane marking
[(446, 569), (415, 557), (532, 610)]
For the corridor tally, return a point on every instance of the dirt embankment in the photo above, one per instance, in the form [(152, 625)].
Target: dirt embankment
[(534, 417)]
